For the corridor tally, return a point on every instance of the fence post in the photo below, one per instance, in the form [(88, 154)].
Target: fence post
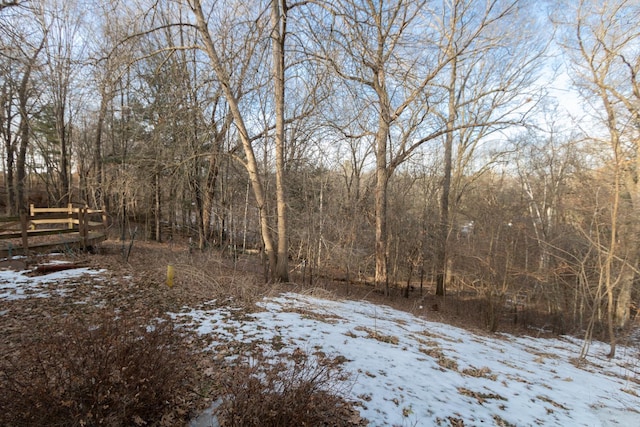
[(70, 213), (83, 226), (105, 222), (23, 229)]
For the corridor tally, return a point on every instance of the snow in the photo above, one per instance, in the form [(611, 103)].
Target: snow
[(19, 285), (409, 371)]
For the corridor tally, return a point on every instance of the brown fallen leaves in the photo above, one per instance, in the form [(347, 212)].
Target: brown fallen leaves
[(101, 350)]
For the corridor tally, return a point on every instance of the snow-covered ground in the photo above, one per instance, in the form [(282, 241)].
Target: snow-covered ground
[(408, 371), (18, 285)]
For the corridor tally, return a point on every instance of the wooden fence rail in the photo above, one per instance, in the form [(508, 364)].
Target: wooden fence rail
[(75, 228)]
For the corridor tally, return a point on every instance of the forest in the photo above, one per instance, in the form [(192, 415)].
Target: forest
[(449, 146)]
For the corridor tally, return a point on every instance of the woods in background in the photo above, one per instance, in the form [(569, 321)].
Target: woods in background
[(403, 141)]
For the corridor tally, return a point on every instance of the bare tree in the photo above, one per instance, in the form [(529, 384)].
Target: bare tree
[(27, 45), (545, 162), (21, 45), (371, 47), (62, 56), (601, 41), (491, 86), (403, 57), (233, 91), (279, 18)]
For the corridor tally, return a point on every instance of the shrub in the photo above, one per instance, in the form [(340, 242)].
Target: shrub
[(303, 391), (100, 370)]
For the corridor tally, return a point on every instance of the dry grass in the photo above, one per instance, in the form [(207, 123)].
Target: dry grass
[(552, 402), (302, 391), (374, 334), (441, 359), (483, 372), (199, 276), (500, 422), (99, 369), (43, 366), (63, 361), (481, 397)]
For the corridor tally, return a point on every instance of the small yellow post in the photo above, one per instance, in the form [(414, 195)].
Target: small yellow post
[(171, 272)]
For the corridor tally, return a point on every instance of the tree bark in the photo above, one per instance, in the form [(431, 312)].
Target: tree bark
[(279, 31), (251, 163), (98, 171), (61, 130), (24, 132), (441, 275), (212, 178), (382, 181), (9, 146), (157, 211)]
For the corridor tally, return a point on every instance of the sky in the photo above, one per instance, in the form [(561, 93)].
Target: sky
[(406, 370)]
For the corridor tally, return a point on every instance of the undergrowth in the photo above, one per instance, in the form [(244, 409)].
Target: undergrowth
[(97, 369), (300, 391)]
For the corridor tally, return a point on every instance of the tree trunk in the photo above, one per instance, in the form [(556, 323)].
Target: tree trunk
[(630, 237), (208, 197), (9, 177), (623, 300), (24, 132), (279, 30), (213, 175), (6, 117), (382, 179), (98, 171), (615, 229), (64, 171), (443, 235), (382, 258), (157, 214), (251, 163)]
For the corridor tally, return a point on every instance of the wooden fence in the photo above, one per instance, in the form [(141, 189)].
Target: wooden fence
[(50, 229)]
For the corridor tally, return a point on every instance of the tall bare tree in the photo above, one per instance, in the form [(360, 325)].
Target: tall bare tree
[(28, 43), (279, 18), (371, 46), (233, 90), (602, 43), (603, 46), (403, 58), (62, 55)]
